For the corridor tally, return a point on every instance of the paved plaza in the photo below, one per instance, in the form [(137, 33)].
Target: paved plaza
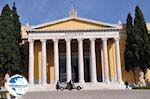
[(95, 94)]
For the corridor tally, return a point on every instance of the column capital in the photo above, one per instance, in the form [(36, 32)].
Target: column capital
[(92, 39), (67, 39), (117, 38), (31, 40), (55, 40), (80, 39), (104, 39), (43, 40)]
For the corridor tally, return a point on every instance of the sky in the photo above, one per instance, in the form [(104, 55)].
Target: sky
[(110, 11)]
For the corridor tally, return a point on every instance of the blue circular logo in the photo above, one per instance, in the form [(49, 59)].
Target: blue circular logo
[(17, 85)]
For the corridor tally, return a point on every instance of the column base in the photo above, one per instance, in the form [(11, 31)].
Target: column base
[(82, 81), (31, 84), (94, 81), (121, 82), (52, 82), (107, 82), (44, 84), (55, 82)]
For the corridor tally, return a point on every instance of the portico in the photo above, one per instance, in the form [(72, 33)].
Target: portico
[(102, 35), (75, 49)]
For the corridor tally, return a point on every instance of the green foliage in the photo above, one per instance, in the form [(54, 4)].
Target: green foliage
[(10, 38), (142, 39), (131, 56), (17, 24), (137, 51)]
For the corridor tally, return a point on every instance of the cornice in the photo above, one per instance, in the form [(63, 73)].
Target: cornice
[(64, 31)]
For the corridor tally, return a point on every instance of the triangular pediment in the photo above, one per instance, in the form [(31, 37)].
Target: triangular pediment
[(72, 23)]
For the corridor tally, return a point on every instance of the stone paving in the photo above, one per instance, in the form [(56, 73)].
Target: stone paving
[(90, 94)]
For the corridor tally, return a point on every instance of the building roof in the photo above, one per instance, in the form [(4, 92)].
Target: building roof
[(74, 18), (72, 23)]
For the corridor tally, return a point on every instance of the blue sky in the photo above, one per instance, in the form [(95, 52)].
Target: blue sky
[(110, 11)]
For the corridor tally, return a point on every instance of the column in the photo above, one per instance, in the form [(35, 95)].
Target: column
[(80, 61), (31, 61), (102, 59), (105, 60), (68, 60), (118, 62), (44, 67), (93, 71), (56, 60)]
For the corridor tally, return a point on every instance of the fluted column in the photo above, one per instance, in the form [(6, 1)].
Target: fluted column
[(80, 61), (105, 60), (118, 62), (44, 67), (31, 61), (56, 59), (93, 71), (68, 59)]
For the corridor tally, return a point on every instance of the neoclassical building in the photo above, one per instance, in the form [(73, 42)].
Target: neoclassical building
[(89, 52)]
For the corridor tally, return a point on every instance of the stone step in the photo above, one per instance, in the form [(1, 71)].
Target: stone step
[(85, 86)]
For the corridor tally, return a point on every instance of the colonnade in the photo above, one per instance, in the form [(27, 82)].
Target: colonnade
[(93, 71)]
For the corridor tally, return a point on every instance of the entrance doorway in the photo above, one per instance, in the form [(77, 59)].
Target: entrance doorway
[(62, 68), (87, 69), (75, 71), (74, 67)]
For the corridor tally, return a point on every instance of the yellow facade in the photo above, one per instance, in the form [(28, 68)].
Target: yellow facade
[(77, 25)]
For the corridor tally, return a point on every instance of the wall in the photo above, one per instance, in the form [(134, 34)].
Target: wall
[(127, 76)]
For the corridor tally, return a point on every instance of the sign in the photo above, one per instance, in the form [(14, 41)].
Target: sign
[(17, 85)]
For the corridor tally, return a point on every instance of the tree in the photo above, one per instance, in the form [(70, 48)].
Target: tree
[(137, 51), (10, 54), (17, 35), (131, 55), (5, 29), (17, 24), (142, 39)]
